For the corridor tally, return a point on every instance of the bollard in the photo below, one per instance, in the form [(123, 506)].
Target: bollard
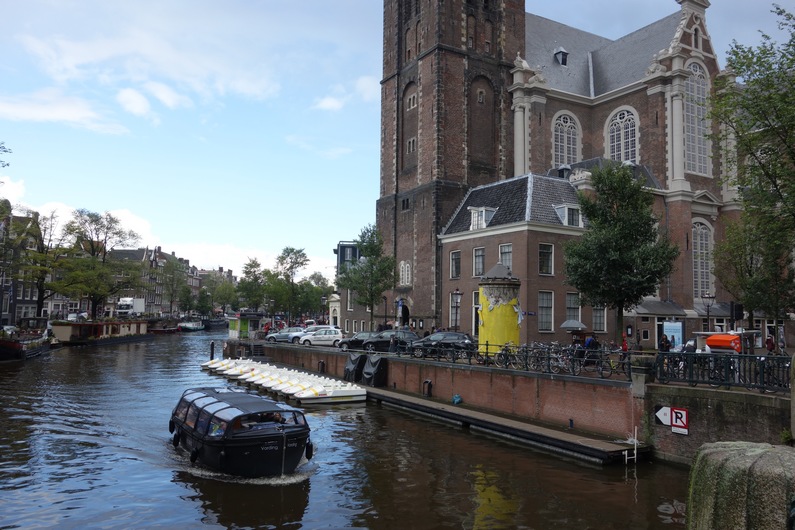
[(321, 367), (212, 350), (427, 385), (571, 423)]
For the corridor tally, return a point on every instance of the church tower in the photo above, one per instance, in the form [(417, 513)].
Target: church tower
[(446, 126)]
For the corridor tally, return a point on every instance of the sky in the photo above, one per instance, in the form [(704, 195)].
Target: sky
[(228, 131)]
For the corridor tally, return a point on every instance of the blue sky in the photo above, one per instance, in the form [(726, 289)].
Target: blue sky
[(223, 131)]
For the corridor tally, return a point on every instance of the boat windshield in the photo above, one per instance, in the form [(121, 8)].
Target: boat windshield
[(220, 421), (195, 407), (207, 413)]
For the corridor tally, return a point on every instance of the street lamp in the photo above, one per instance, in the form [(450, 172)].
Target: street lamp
[(323, 301), (384, 297), (708, 300), (456, 299)]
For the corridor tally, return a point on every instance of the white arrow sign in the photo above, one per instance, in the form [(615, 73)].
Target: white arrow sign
[(664, 415)]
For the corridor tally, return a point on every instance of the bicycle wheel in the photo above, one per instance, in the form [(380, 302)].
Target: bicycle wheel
[(575, 366), (604, 368), (501, 359), (554, 363)]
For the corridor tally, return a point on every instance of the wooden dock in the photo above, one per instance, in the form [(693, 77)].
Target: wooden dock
[(567, 443)]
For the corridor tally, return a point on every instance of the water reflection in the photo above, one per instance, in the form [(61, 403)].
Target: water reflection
[(275, 503), (85, 443)]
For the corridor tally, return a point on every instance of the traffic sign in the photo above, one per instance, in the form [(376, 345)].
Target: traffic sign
[(679, 420), (662, 415)]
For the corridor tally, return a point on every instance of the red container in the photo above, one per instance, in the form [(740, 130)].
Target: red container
[(725, 342)]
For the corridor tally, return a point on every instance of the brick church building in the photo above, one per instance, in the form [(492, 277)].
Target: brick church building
[(491, 119)]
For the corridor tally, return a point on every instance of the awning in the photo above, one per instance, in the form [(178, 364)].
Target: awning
[(573, 325)]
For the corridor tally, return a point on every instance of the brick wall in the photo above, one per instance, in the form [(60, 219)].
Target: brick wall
[(607, 407)]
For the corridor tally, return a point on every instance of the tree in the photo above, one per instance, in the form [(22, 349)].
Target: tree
[(41, 252), (373, 274), (87, 270), (173, 279), (757, 135), (226, 295), (622, 257), (251, 287), (3, 150), (187, 302), (288, 263)]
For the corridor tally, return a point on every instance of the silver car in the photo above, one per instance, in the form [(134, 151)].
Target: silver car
[(323, 337)]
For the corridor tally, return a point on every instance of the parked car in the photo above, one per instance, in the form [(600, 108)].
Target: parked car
[(308, 331), (285, 335), (323, 337), (381, 342), (450, 344), (355, 342)]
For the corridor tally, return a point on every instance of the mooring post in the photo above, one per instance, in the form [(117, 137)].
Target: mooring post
[(212, 350)]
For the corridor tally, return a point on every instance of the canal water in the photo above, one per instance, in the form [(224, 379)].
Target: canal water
[(85, 444)]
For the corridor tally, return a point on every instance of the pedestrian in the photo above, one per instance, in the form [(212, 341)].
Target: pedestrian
[(624, 345), (770, 344), (664, 345)]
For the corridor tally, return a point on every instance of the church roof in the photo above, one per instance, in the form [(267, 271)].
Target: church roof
[(595, 65), (529, 198)]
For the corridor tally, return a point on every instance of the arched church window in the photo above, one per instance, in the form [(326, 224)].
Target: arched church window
[(622, 137), (696, 141)]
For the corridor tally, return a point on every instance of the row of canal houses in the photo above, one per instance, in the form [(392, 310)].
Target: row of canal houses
[(19, 297)]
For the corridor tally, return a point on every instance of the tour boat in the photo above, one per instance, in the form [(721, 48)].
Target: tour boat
[(191, 325), (240, 432)]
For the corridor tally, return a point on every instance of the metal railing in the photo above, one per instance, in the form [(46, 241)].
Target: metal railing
[(765, 373)]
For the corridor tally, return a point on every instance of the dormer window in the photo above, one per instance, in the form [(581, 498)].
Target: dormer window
[(562, 56), (481, 217), (569, 215)]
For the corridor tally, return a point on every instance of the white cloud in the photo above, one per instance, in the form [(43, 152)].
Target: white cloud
[(167, 96), (331, 103), (51, 105), (368, 88), (133, 102)]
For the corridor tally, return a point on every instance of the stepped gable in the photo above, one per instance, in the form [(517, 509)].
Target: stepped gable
[(527, 198), (613, 63)]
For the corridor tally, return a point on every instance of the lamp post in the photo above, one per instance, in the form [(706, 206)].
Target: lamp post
[(323, 301), (708, 300), (456, 299), (384, 297)]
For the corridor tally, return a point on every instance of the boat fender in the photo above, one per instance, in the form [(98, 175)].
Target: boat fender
[(310, 450), (194, 455), (175, 441), (170, 425)]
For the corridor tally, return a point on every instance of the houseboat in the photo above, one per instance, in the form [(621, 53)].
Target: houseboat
[(30, 340), (240, 432), (99, 332)]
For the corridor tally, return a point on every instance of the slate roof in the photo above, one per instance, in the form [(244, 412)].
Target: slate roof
[(529, 198), (643, 172), (612, 64)]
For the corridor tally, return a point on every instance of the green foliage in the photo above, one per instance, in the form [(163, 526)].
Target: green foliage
[(85, 269), (622, 257), (373, 274), (226, 295), (3, 150), (187, 302), (173, 278), (757, 134), (288, 263), (251, 287)]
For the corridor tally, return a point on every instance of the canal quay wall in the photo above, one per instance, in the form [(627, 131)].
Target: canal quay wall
[(605, 407)]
